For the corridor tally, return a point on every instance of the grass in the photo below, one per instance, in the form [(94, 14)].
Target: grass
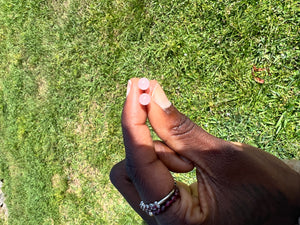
[(64, 67)]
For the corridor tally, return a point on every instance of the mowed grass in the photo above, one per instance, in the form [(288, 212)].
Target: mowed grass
[(64, 67)]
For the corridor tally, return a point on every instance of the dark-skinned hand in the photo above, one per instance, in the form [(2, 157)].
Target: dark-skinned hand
[(237, 184)]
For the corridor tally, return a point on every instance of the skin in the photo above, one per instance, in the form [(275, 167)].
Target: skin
[(236, 183)]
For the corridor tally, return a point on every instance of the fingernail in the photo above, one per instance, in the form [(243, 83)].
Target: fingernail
[(128, 87), (160, 98)]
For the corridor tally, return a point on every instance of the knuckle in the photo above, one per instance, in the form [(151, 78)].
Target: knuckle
[(183, 127), (117, 174), (134, 173)]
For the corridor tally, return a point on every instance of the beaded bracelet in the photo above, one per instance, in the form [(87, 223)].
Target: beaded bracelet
[(158, 207)]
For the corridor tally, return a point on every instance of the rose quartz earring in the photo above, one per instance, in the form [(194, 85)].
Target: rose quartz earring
[(144, 84), (144, 99)]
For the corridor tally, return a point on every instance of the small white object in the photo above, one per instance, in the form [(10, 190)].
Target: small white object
[(143, 83), (144, 99)]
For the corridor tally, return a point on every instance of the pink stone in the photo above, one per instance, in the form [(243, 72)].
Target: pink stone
[(144, 99), (143, 83)]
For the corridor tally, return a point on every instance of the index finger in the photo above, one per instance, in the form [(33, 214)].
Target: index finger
[(144, 168), (135, 131)]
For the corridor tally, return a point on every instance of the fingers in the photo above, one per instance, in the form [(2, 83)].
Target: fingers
[(121, 181), (176, 130), (171, 159), (150, 176)]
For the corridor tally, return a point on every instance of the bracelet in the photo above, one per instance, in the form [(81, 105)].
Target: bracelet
[(157, 207)]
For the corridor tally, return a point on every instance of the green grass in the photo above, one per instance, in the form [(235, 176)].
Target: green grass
[(64, 67)]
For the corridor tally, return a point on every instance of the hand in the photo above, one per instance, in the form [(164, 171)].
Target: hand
[(236, 183)]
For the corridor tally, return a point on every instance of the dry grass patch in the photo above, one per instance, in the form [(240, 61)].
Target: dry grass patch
[(3, 216), (61, 8), (42, 87), (88, 184)]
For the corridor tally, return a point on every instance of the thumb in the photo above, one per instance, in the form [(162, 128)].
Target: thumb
[(176, 130)]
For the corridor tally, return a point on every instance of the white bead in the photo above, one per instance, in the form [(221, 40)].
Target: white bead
[(143, 83), (144, 99)]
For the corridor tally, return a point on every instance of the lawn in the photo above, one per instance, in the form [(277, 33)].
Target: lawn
[(64, 67)]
